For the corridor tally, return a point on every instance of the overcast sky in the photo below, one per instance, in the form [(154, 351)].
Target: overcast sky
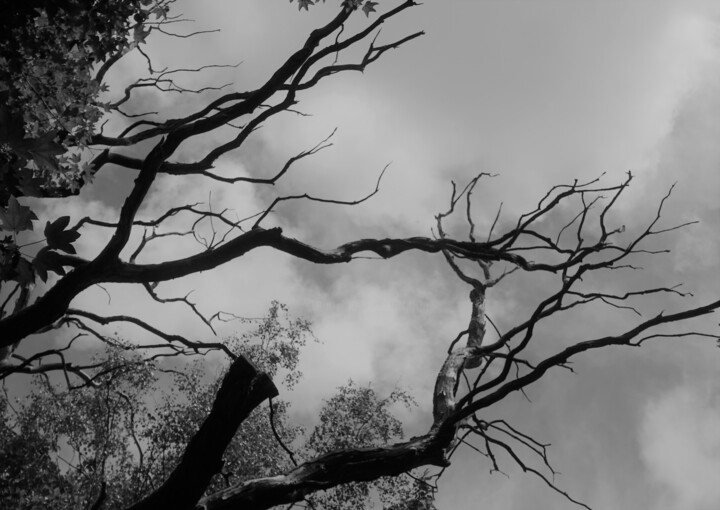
[(540, 92)]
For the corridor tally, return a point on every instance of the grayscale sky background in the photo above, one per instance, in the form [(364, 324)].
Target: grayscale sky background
[(541, 92)]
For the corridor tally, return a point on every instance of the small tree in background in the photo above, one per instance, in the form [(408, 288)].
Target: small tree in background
[(110, 442)]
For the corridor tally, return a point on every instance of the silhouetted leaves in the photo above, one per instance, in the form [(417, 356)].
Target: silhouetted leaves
[(48, 260), (58, 238), (16, 217), (369, 7)]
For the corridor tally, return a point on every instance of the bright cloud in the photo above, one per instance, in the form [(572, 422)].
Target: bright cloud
[(681, 447)]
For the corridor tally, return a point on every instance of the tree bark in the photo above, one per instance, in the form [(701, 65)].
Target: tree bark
[(242, 390), (330, 470)]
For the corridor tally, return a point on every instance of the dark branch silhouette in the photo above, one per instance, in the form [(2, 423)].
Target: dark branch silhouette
[(586, 242)]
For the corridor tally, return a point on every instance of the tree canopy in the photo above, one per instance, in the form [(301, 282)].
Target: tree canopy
[(136, 427), (111, 442)]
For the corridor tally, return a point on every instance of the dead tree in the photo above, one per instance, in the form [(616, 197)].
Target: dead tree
[(480, 369)]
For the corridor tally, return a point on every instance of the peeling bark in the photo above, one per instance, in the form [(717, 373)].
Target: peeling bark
[(476, 329), (330, 470), (446, 383)]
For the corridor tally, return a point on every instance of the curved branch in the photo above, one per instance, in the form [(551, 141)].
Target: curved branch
[(330, 470), (147, 327), (106, 268), (562, 357)]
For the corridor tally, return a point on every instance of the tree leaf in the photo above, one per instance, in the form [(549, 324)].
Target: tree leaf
[(47, 260), (16, 217), (58, 238), (46, 145), (24, 274), (369, 7), (41, 150), (28, 184), (139, 35), (44, 161), (304, 4)]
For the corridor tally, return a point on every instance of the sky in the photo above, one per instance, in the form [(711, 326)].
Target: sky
[(540, 92)]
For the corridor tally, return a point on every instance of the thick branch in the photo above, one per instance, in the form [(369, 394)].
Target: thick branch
[(243, 389), (273, 238), (54, 303), (330, 470)]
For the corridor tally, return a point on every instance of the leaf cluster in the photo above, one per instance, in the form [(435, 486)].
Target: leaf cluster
[(21, 268), (115, 433), (357, 417), (49, 90), (367, 5)]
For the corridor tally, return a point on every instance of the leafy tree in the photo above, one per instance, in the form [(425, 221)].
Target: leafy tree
[(28, 476), (43, 151), (115, 440), (53, 60)]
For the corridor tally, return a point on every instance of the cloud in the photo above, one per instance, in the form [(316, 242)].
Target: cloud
[(381, 324), (680, 446), (540, 92)]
